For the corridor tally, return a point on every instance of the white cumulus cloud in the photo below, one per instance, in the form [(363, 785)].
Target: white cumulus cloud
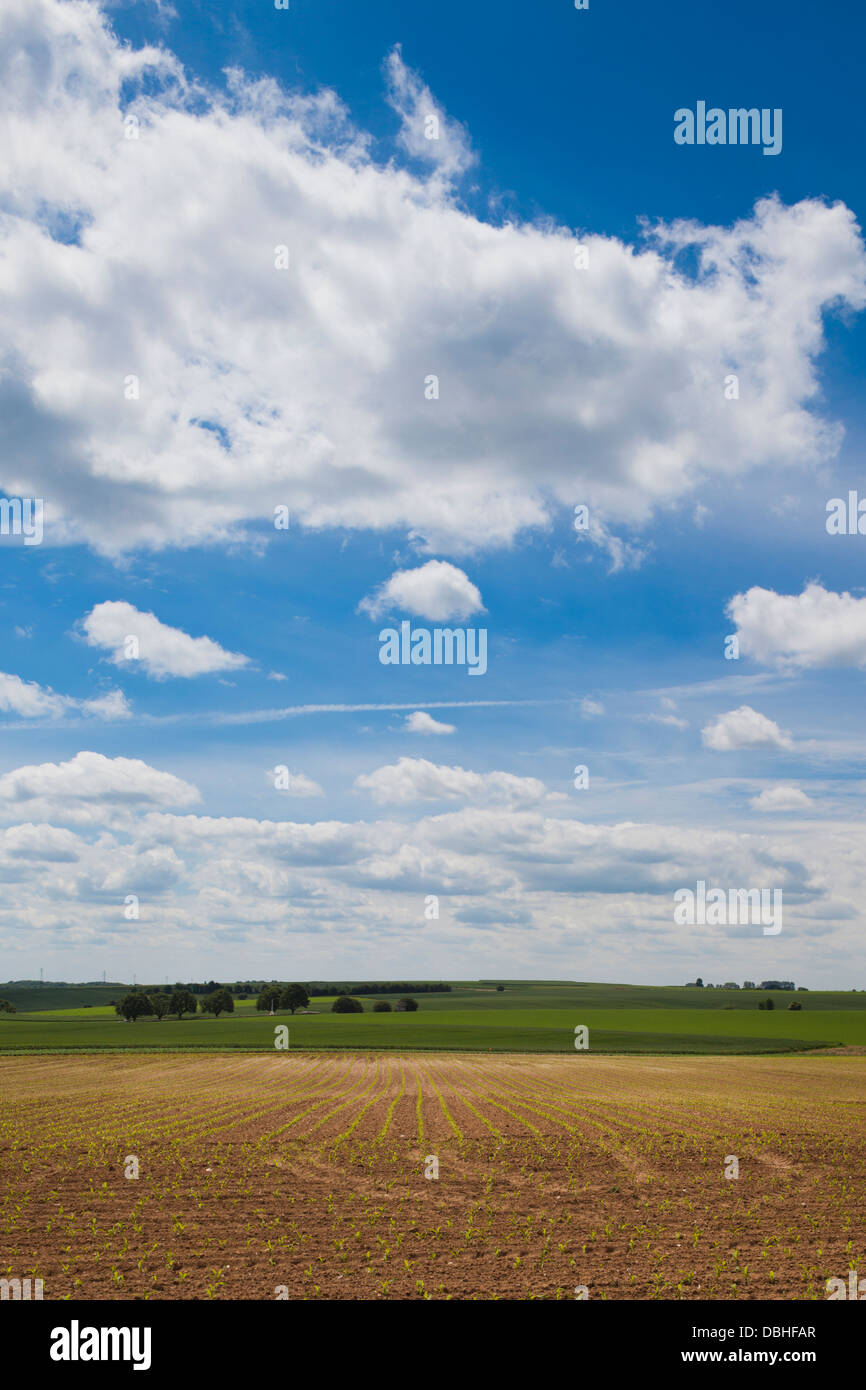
[(420, 722), (294, 783), (162, 650), (437, 590), (29, 699), (796, 631), (112, 705), (416, 779), (619, 401), (744, 728), (91, 779), (33, 701), (782, 799)]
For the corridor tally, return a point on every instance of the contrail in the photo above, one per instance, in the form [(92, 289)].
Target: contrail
[(262, 716), (290, 711)]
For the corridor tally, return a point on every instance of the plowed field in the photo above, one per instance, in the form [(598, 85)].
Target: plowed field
[(303, 1175)]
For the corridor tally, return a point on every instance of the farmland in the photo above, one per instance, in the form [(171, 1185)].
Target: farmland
[(527, 1016), (302, 1174)]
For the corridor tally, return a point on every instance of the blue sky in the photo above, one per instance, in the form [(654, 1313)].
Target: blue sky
[(146, 253)]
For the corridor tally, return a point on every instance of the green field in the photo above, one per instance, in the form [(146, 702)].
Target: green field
[(482, 994), (528, 1016)]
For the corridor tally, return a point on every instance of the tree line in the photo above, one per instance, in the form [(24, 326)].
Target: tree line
[(137, 1004), (324, 988), (294, 997), (160, 1004), (345, 1004)]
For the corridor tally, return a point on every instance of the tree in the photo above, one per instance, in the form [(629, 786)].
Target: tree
[(699, 984), (344, 1005), (407, 1005), (269, 998), (161, 1004), (219, 1002), (294, 997), (182, 1002), (134, 1005), (382, 1007), (796, 1007), (6, 1007), (766, 1004)]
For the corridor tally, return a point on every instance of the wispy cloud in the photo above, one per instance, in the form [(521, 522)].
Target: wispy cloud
[(263, 716)]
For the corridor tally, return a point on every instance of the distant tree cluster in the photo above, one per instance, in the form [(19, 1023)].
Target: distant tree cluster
[(6, 1007), (345, 1004), (160, 1004), (182, 1002), (219, 1002), (134, 1005), (137, 1004), (189, 999), (275, 996)]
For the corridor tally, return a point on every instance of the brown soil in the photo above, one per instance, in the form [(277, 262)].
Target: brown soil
[(306, 1172)]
